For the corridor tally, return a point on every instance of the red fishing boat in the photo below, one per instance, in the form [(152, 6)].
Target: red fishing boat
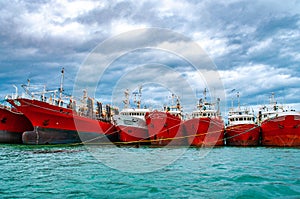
[(130, 123), (205, 127), (57, 122), (242, 130), (165, 127), (279, 126), (12, 125)]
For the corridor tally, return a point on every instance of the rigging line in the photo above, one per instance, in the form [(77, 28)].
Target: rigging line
[(100, 136)]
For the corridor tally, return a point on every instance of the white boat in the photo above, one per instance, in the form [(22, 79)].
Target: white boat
[(130, 122)]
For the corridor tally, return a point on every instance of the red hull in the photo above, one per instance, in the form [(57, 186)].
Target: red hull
[(205, 131), (12, 125), (281, 131), (243, 135), (165, 129), (58, 119), (132, 135)]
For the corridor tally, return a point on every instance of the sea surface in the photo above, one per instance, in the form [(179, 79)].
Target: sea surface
[(76, 172)]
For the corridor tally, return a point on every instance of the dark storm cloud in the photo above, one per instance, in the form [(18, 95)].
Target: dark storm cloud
[(238, 35)]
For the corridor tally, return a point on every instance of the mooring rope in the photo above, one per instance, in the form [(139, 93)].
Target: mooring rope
[(149, 139)]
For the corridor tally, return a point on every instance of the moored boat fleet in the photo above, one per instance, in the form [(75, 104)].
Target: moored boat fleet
[(56, 118)]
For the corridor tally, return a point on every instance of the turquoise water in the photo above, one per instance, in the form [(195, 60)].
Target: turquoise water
[(225, 172)]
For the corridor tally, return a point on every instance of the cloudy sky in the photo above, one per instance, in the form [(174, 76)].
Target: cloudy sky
[(254, 46)]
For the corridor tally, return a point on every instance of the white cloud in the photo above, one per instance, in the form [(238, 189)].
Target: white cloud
[(215, 44), (57, 19), (260, 46), (253, 79), (121, 26), (170, 8)]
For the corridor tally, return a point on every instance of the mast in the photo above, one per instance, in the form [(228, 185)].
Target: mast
[(204, 94), (26, 89), (238, 98), (126, 100), (61, 82), (16, 95), (137, 97), (232, 98), (273, 101), (273, 98), (43, 93)]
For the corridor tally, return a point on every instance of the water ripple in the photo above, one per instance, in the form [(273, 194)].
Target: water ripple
[(72, 172)]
